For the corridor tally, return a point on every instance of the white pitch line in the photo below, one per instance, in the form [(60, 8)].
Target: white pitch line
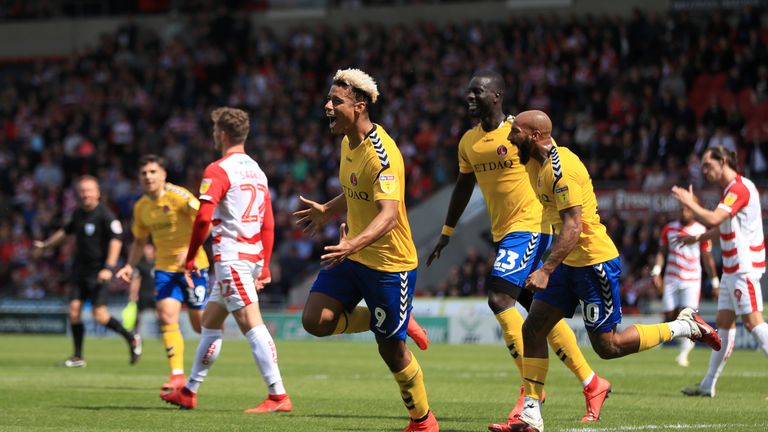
[(679, 426)]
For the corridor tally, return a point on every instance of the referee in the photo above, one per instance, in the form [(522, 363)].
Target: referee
[(97, 233)]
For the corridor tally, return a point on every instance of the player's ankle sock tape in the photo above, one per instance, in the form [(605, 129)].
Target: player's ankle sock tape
[(412, 389), (563, 342), (534, 375), (511, 323), (174, 345)]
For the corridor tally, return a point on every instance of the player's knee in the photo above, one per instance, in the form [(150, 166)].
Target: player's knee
[(749, 325), (607, 351), (532, 331), (101, 317), (196, 327), (394, 354), (317, 328), (499, 301)]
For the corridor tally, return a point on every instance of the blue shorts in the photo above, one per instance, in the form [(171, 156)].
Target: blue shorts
[(388, 295), (518, 255), (596, 287), (173, 285)]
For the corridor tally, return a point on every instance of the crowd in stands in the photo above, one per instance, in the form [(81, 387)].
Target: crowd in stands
[(636, 97)]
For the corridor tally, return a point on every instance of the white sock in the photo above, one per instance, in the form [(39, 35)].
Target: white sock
[(686, 346), (536, 410), (717, 360), (679, 329), (588, 380), (265, 353), (207, 352), (760, 333)]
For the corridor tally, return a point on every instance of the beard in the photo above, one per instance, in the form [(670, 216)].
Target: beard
[(524, 151)]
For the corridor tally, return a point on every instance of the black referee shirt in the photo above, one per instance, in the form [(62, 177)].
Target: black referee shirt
[(92, 230)]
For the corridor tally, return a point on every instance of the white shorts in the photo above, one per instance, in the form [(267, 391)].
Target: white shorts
[(235, 286), (680, 294), (741, 292)]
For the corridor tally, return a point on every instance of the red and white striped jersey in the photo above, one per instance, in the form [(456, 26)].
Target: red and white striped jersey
[(741, 235), (684, 261), (238, 187)]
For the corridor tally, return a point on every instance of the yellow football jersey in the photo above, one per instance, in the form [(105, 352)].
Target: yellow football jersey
[(168, 220), (505, 182), (370, 172), (563, 182)]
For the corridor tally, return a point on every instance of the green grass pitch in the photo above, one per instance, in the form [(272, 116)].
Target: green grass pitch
[(344, 386)]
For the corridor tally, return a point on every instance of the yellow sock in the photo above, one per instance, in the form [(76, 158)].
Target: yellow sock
[(357, 321), (412, 389), (511, 323), (174, 347), (534, 374), (563, 343), (652, 335)]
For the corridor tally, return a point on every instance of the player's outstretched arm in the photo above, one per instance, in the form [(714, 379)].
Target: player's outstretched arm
[(312, 218), (383, 223), (561, 247), (134, 256), (462, 192), (711, 234), (710, 218), (54, 240)]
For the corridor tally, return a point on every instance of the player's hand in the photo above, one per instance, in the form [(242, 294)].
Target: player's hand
[(338, 253), (190, 268), (656, 279), (685, 240), (537, 281), (125, 274), (443, 242), (685, 196), (105, 275), (38, 247), (715, 293), (264, 278), (312, 218)]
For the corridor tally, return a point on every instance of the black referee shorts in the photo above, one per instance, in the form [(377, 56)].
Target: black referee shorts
[(88, 288)]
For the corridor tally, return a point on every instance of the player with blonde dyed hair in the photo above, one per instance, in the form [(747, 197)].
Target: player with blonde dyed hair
[(375, 258)]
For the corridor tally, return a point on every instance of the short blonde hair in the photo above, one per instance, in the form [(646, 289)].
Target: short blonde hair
[(233, 121), (359, 81)]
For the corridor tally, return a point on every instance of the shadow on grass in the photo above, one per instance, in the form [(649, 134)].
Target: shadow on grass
[(113, 388), (120, 408)]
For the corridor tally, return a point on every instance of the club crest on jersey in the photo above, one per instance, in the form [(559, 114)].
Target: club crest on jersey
[(205, 185), (501, 150), (353, 179), (166, 209), (388, 183), (729, 199), (738, 294), (89, 229)]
